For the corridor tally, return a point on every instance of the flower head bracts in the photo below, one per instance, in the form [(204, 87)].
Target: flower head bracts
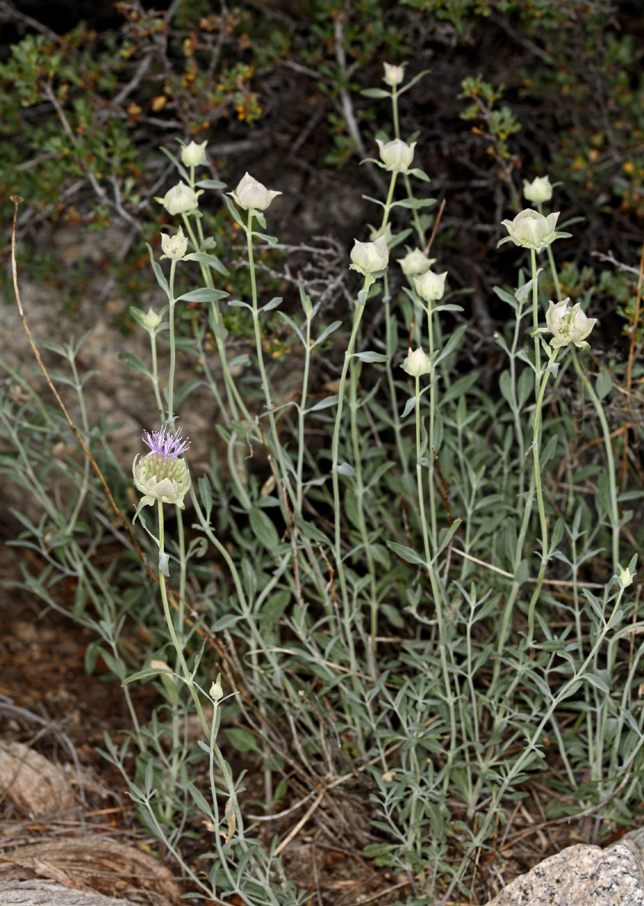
[(537, 191), (531, 230), (162, 474), (568, 325), (396, 156), (430, 286), (252, 195), (393, 74), (180, 199), (417, 363), (370, 257)]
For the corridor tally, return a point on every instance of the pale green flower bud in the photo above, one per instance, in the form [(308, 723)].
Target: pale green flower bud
[(393, 74), (539, 190), (370, 257), (415, 263), (216, 692), (431, 286), (162, 475), (252, 195), (417, 363), (151, 320), (396, 155), (568, 325), (174, 247), (180, 199), (386, 234), (625, 576), (193, 155), (531, 230)]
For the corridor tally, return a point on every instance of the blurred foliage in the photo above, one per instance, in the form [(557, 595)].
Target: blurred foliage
[(83, 116)]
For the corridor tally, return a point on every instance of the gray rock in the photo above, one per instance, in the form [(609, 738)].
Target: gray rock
[(583, 875), (47, 893)]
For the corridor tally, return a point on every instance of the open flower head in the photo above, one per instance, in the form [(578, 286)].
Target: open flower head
[(396, 155), (417, 363), (393, 74), (537, 191), (163, 474), (193, 155), (568, 325), (180, 199), (430, 286), (370, 257), (415, 263), (531, 230), (252, 195), (174, 247)]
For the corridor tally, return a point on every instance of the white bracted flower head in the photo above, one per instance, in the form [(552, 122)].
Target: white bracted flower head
[(174, 247), (430, 286), (539, 190), (393, 74), (417, 363), (193, 155), (568, 325), (531, 230), (252, 195), (415, 263), (180, 199), (162, 475), (396, 155), (625, 576), (370, 257)]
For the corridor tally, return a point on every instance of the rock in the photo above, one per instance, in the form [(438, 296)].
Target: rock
[(35, 785), (582, 875), (46, 893)]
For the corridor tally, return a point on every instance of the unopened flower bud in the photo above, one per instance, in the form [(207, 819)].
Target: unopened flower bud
[(430, 286), (180, 199), (531, 230), (216, 692), (174, 247), (396, 155), (151, 320), (417, 363), (162, 475), (415, 263), (370, 257), (386, 234), (539, 190), (393, 74), (252, 195), (193, 155)]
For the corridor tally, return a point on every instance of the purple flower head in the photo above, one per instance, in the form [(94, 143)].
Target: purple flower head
[(164, 444)]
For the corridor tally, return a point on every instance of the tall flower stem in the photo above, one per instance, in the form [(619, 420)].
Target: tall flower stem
[(277, 447), (536, 451), (435, 586), (335, 446), (173, 634), (354, 373), (610, 458)]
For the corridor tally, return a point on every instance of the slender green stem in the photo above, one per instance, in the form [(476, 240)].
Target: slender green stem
[(173, 634), (610, 458), (335, 446), (173, 351), (275, 441), (360, 492), (536, 451)]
